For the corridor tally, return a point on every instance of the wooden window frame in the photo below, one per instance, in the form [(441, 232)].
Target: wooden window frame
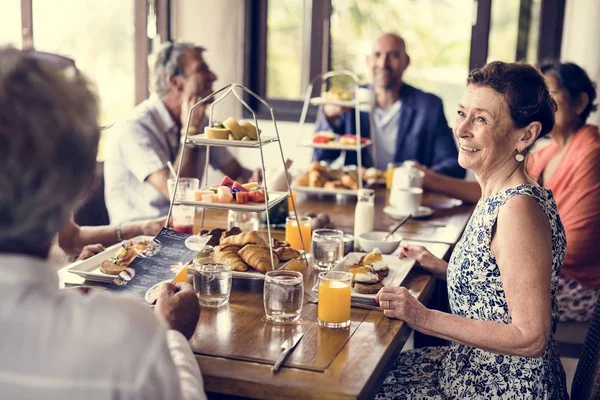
[(255, 46), (255, 50), (141, 40)]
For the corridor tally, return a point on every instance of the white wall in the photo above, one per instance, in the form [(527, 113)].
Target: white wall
[(218, 25), (581, 39)]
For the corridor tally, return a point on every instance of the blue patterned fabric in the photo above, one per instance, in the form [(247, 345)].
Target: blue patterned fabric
[(475, 291)]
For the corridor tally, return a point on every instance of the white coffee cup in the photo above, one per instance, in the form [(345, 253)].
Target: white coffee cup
[(416, 178), (406, 200)]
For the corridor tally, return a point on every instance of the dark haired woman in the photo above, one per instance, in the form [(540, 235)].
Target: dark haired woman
[(570, 168), (503, 274)]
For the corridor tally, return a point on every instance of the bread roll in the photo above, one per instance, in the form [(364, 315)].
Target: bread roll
[(235, 128), (250, 129)]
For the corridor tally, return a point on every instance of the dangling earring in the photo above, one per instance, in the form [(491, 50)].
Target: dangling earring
[(519, 157)]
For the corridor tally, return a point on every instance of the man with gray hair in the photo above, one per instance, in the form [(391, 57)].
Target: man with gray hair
[(65, 344), (137, 152)]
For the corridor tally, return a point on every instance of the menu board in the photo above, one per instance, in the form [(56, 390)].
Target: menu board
[(160, 261)]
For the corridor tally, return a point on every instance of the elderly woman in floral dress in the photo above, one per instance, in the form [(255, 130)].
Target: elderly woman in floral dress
[(503, 275)]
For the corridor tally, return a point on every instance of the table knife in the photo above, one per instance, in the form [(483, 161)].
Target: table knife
[(287, 348)]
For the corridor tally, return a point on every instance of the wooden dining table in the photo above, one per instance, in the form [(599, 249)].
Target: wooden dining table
[(236, 348), (444, 225)]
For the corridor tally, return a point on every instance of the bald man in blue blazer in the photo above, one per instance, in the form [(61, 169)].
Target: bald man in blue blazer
[(409, 123)]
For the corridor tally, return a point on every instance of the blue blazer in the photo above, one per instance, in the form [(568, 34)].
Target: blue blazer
[(423, 134)]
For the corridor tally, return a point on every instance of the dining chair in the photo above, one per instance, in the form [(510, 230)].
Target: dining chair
[(93, 211), (586, 382)]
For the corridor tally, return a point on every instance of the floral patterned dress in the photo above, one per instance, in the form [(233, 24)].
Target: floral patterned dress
[(475, 291)]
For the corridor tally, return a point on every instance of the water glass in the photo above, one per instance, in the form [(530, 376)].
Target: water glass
[(212, 281), (282, 296), (327, 248), (183, 216), (335, 293), (246, 221)]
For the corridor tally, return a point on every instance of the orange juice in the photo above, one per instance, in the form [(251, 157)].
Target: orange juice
[(334, 299), (291, 209), (292, 236), (389, 176)]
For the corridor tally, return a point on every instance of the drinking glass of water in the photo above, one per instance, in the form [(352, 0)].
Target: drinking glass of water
[(282, 295), (246, 221), (212, 281), (327, 247)]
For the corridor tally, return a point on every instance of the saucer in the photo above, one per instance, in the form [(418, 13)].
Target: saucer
[(395, 213)]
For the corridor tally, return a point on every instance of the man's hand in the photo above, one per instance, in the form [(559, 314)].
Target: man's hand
[(198, 115), (153, 226), (90, 250), (332, 111), (257, 176), (178, 304)]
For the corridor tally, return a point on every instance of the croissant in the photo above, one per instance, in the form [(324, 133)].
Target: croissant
[(231, 253), (243, 239), (316, 179), (279, 243), (287, 253), (258, 257), (350, 182)]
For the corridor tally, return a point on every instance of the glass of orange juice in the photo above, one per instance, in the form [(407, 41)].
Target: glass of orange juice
[(334, 299), (291, 209), (292, 233)]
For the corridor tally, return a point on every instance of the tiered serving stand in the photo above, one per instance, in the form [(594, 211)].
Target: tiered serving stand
[(271, 198), (320, 102)]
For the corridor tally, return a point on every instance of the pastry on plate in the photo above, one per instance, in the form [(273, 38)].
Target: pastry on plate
[(243, 239), (350, 182), (122, 258), (316, 179), (287, 253), (302, 179), (372, 288), (334, 185), (259, 257), (218, 131), (375, 260), (236, 130), (317, 166), (230, 252), (371, 174), (250, 129)]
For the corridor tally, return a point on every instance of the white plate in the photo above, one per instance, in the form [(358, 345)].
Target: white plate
[(441, 202), (317, 101), (395, 213), (335, 145), (203, 139), (274, 199), (399, 269), (320, 190), (90, 268)]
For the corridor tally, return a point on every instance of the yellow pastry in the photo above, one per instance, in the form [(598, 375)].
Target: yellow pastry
[(235, 128)]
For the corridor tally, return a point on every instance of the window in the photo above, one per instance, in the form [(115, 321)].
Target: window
[(288, 42), (287, 50), (10, 23), (514, 39), (105, 52), (109, 40), (438, 42)]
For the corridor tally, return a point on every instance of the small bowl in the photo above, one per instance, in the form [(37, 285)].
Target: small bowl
[(371, 240)]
